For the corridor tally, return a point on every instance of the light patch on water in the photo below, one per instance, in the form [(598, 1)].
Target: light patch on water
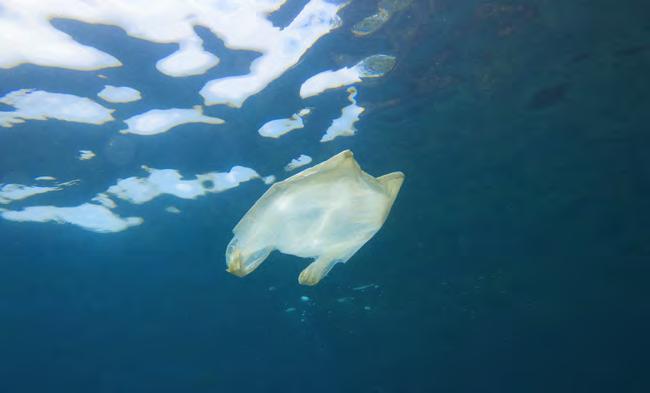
[(16, 192), (97, 216), (42, 105), (104, 200), (85, 155), (298, 162), (268, 179), (370, 67), (45, 178), (281, 49), (364, 287), (28, 37), (189, 59), (344, 125), (157, 121), (329, 80), (139, 190), (173, 210), (277, 128), (119, 94), (88, 216)]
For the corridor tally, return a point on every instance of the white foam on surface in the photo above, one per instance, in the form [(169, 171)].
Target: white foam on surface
[(85, 155), (270, 179), (190, 59), (139, 190), (42, 105), (88, 216), (344, 125), (298, 162), (96, 215), (345, 76), (28, 36), (119, 94), (45, 178), (104, 200), (329, 80), (173, 210), (281, 48), (277, 128), (16, 192), (157, 121)]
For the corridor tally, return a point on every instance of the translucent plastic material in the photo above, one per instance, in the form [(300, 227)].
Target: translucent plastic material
[(326, 212)]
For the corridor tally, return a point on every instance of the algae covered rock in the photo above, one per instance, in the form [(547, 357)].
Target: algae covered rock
[(326, 212)]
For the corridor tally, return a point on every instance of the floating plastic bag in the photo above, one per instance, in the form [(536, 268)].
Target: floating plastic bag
[(326, 212)]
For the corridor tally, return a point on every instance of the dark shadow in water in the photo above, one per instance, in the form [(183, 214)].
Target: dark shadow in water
[(548, 96)]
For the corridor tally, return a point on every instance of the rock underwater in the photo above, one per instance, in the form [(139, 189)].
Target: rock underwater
[(326, 212)]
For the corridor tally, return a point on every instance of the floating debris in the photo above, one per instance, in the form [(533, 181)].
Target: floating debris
[(326, 212)]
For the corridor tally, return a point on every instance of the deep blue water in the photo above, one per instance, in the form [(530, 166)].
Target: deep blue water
[(516, 257)]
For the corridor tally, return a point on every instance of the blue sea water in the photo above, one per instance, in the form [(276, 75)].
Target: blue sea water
[(515, 258)]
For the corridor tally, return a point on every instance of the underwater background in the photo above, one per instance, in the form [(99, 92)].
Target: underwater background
[(515, 258)]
